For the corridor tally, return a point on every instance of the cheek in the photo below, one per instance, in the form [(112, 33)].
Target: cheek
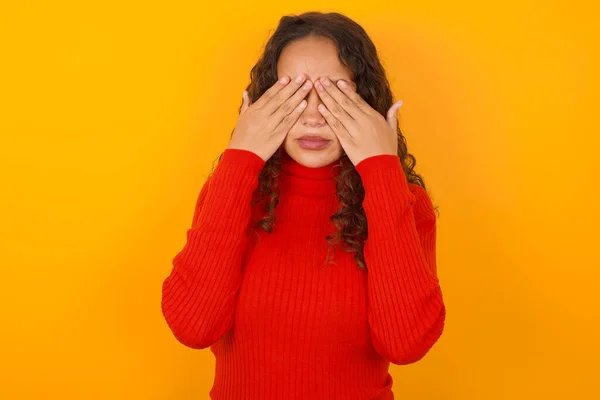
[(296, 127), (336, 144), (287, 144)]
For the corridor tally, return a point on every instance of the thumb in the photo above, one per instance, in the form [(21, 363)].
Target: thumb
[(245, 103), (392, 115)]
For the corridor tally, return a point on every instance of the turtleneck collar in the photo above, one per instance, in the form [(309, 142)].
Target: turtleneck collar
[(306, 180)]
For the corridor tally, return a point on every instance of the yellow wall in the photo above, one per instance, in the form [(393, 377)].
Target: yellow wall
[(112, 115)]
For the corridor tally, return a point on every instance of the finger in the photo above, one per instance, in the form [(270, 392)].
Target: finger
[(245, 102), (290, 104), (333, 107), (341, 98), (336, 126), (289, 120), (392, 115), (284, 94), (349, 91), (272, 91)]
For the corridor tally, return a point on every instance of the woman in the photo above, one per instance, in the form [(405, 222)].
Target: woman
[(278, 274)]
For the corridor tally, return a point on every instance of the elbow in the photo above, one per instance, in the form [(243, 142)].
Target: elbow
[(193, 331), (191, 339), (419, 343), (190, 322)]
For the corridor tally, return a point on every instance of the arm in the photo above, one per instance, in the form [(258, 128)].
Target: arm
[(406, 310), (198, 297)]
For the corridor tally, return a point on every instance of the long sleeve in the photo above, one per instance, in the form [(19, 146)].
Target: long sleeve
[(406, 312), (198, 296)]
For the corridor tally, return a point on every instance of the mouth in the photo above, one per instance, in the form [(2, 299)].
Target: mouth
[(314, 138), (313, 142)]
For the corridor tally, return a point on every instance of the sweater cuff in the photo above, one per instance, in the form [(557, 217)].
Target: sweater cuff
[(229, 190), (236, 175), (244, 159), (382, 169)]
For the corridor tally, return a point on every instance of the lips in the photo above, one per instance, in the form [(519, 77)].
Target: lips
[(313, 142), (313, 138)]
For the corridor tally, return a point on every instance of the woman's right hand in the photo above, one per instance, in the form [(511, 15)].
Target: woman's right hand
[(263, 126)]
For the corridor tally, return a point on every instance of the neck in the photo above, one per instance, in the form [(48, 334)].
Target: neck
[(306, 180)]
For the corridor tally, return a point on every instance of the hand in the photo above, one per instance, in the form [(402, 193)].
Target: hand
[(263, 126), (362, 131)]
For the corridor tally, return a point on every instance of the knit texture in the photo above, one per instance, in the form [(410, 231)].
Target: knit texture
[(280, 322)]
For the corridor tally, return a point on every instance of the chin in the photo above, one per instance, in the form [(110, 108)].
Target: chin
[(313, 158)]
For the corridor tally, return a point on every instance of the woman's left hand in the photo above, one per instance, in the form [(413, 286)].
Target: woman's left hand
[(362, 131)]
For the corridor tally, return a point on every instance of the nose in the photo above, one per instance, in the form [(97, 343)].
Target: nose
[(311, 117)]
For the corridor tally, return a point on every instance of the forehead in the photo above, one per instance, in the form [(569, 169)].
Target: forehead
[(313, 56)]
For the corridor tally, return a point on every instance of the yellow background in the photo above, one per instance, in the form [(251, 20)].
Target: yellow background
[(113, 113)]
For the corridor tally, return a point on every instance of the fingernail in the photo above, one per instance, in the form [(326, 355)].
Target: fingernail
[(326, 82), (342, 84), (318, 85), (307, 85), (400, 103), (299, 78)]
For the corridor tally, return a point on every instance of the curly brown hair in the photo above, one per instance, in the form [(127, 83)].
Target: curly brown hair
[(357, 52)]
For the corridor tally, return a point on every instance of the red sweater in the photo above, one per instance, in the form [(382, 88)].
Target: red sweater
[(281, 324)]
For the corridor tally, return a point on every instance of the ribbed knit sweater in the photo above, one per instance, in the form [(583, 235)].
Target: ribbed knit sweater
[(280, 322)]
